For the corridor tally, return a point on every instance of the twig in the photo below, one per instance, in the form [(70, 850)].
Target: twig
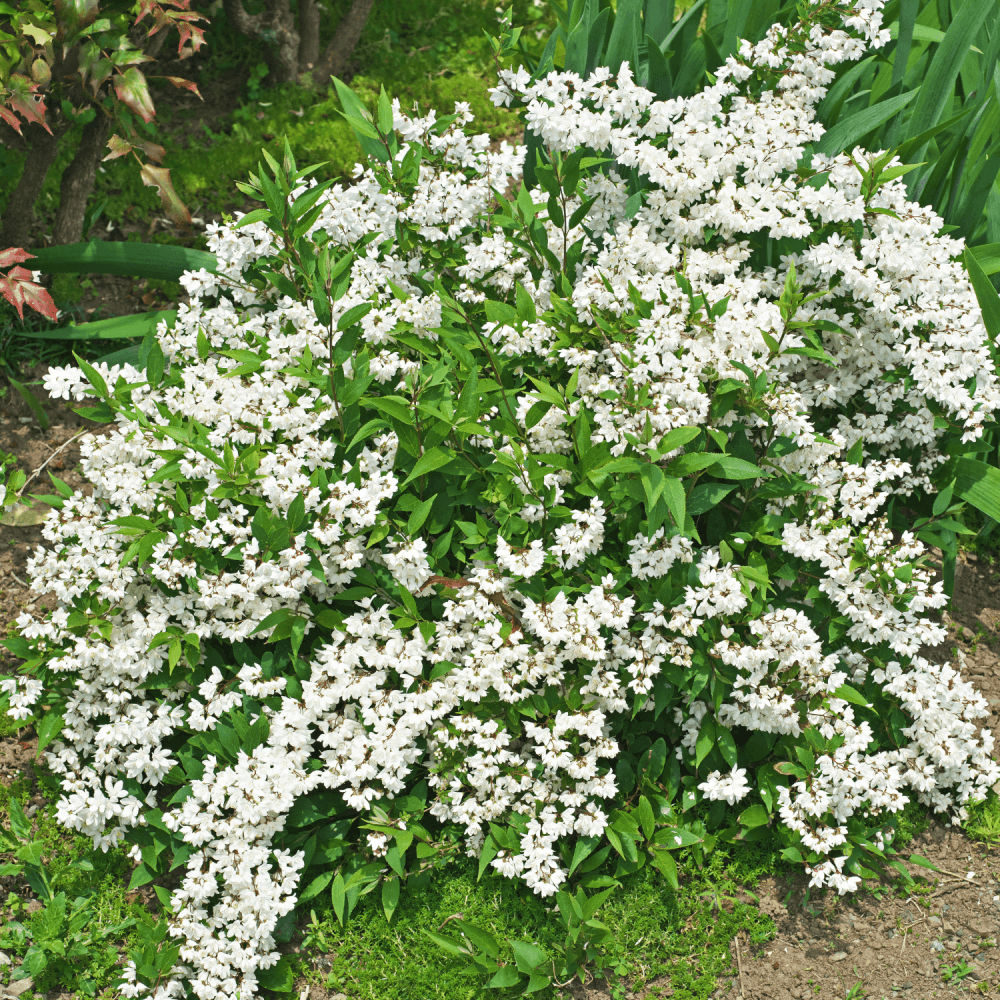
[(739, 965), (964, 878), (19, 580), (899, 958), (49, 459)]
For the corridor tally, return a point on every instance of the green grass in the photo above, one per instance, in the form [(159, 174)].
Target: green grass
[(658, 932)]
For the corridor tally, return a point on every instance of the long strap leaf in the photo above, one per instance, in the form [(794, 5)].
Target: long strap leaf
[(138, 260)]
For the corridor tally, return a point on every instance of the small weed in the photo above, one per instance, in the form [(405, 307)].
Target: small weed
[(955, 973), (984, 819), (855, 992)]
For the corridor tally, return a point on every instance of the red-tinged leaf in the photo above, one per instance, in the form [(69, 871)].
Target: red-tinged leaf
[(13, 293), (154, 152), (132, 91), (11, 119), (14, 256), (26, 102), (17, 288), (179, 81), (39, 299), (188, 31), (118, 147), (159, 177), (171, 19)]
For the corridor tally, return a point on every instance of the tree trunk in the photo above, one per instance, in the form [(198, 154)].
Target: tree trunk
[(308, 34), (78, 182), (275, 27), (20, 212), (338, 52)]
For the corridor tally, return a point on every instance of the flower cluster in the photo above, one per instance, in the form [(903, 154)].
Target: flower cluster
[(489, 520)]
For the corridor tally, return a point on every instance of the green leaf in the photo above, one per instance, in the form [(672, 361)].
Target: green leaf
[(705, 496), (528, 956), (938, 90), (315, 887), (19, 823), (978, 484), (94, 377), (664, 862), (987, 256), (847, 693), (507, 976), (390, 897), (989, 300), (33, 402), (448, 944), (652, 760), (754, 816), (433, 458), (278, 977), (137, 260), (48, 729), (706, 740), (845, 135), (735, 468), (582, 850)]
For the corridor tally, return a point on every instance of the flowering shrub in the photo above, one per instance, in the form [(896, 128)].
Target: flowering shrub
[(561, 525)]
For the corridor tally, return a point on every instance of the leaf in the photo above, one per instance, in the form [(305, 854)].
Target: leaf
[(528, 956), (705, 496), (706, 740), (754, 816), (432, 459), (448, 944), (33, 403), (279, 977), (390, 897), (845, 135), (916, 859), (20, 515), (987, 256), (847, 693), (133, 91), (159, 177), (978, 484), (137, 260), (736, 468), (507, 976), (141, 876), (937, 92), (653, 759), (359, 119), (665, 863), (48, 729), (986, 294), (24, 100), (17, 288), (483, 941)]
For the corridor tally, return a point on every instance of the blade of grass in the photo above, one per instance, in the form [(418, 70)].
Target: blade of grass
[(846, 133), (939, 84)]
